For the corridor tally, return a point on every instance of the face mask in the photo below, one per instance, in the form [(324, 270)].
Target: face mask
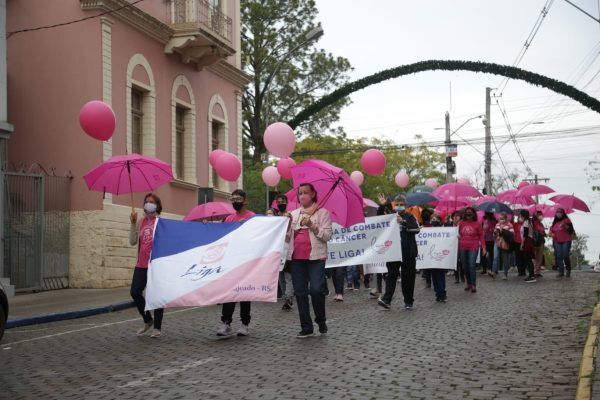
[(521, 219), (281, 207), (559, 215), (436, 223), (400, 209), (468, 216), (150, 208), (540, 217), (305, 200), (237, 205)]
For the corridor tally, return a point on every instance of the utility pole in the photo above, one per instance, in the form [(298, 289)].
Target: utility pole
[(488, 144), (537, 180), (448, 158)]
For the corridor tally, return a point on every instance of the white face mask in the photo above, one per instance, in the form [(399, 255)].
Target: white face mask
[(150, 208)]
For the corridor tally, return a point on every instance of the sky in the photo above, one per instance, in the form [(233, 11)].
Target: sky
[(378, 35)]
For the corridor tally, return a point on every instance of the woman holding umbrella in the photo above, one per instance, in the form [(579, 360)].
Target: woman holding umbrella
[(310, 230), (142, 234), (562, 232)]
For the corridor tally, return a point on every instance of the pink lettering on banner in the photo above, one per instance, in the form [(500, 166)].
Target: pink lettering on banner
[(255, 280)]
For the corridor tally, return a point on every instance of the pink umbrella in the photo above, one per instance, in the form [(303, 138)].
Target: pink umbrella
[(551, 211), (369, 203), (534, 190), (337, 193), (456, 190), (570, 202), (129, 174), (538, 207), (292, 201), (450, 203), (484, 199), (511, 196), (209, 210)]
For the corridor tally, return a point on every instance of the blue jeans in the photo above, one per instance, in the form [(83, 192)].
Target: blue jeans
[(308, 277), (469, 258), (562, 254), (438, 278), (352, 276)]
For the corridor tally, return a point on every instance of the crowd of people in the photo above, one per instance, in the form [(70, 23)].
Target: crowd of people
[(501, 242)]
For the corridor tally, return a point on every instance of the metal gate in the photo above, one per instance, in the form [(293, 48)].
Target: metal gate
[(36, 230)]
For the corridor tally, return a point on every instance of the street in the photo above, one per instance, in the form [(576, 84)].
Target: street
[(511, 340)]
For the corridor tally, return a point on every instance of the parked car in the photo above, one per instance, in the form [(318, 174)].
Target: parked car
[(3, 310)]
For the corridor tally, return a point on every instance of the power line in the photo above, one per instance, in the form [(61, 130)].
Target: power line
[(513, 137), (39, 28)]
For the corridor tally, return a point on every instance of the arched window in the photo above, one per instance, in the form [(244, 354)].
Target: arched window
[(183, 130), (218, 136), (141, 107)]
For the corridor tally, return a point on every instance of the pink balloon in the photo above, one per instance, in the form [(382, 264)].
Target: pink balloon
[(97, 119), (270, 176), (373, 162), (228, 167), (280, 139), (402, 179), (523, 184), (284, 167), (432, 183), (214, 156), (357, 177)]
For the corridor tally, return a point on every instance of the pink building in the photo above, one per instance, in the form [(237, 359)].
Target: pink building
[(171, 71)]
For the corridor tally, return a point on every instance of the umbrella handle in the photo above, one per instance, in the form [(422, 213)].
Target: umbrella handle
[(130, 186)]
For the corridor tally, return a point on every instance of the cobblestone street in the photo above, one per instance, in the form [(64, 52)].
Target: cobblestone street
[(511, 340)]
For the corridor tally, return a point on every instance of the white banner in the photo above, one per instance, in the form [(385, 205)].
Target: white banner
[(438, 248), (375, 268), (375, 240)]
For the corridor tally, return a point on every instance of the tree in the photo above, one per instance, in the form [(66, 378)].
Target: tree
[(578, 250), (287, 73), (420, 162)]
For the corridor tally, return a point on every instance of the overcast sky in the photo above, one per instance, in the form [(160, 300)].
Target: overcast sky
[(377, 35)]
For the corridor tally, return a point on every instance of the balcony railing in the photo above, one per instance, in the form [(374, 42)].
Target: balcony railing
[(201, 12)]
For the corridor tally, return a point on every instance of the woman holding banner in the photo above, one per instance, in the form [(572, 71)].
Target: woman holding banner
[(470, 241), (310, 230), (142, 234)]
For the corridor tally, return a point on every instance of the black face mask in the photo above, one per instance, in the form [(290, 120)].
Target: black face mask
[(237, 205), (281, 207), (436, 223)]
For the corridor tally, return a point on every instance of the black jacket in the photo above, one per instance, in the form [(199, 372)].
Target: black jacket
[(408, 231)]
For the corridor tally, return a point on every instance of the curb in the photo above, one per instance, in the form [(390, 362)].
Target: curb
[(586, 369), (42, 319)]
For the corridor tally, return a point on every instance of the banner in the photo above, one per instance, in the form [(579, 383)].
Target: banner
[(197, 264), (375, 268), (438, 248), (375, 240)]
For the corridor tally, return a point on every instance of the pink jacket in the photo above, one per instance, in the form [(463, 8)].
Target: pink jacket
[(318, 242)]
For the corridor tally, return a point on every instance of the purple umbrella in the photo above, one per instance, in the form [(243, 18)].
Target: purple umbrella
[(336, 191)]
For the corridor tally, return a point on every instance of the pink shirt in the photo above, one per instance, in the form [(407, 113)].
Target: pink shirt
[(235, 217), (302, 247), (560, 234), (471, 235), (145, 242)]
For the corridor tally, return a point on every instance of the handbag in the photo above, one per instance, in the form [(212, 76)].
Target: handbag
[(501, 243)]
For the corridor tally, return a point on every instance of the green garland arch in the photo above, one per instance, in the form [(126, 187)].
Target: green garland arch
[(447, 65)]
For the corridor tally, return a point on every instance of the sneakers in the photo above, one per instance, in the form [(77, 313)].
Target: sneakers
[(441, 299), (467, 288), (243, 331), (383, 304), (155, 333), (374, 293), (322, 328), (287, 305), (408, 306), (338, 297), (224, 330), (304, 334), (473, 289), (530, 279), (505, 277), (144, 329)]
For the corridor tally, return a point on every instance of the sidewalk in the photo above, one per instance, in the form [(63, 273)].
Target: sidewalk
[(57, 305)]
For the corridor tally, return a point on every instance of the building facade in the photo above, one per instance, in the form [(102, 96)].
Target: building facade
[(170, 69)]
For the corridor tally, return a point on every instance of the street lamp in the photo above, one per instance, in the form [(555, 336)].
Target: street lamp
[(310, 36)]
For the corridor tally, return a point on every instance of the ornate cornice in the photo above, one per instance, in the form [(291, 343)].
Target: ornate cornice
[(132, 16), (230, 73)]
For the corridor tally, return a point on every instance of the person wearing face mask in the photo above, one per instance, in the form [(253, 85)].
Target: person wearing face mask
[(470, 241), (527, 246), (141, 233), (504, 234), (562, 233), (309, 231), (489, 224), (409, 227), (285, 289), (239, 201), (539, 239)]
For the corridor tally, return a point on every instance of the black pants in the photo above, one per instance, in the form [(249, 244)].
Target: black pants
[(459, 274), (488, 260), (521, 260), (337, 276), (427, 276), (138, 284), (229, 308), (408, 274)]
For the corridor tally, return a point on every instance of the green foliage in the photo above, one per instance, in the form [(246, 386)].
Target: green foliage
[(446, 65), (288, 73), (419, 162)]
